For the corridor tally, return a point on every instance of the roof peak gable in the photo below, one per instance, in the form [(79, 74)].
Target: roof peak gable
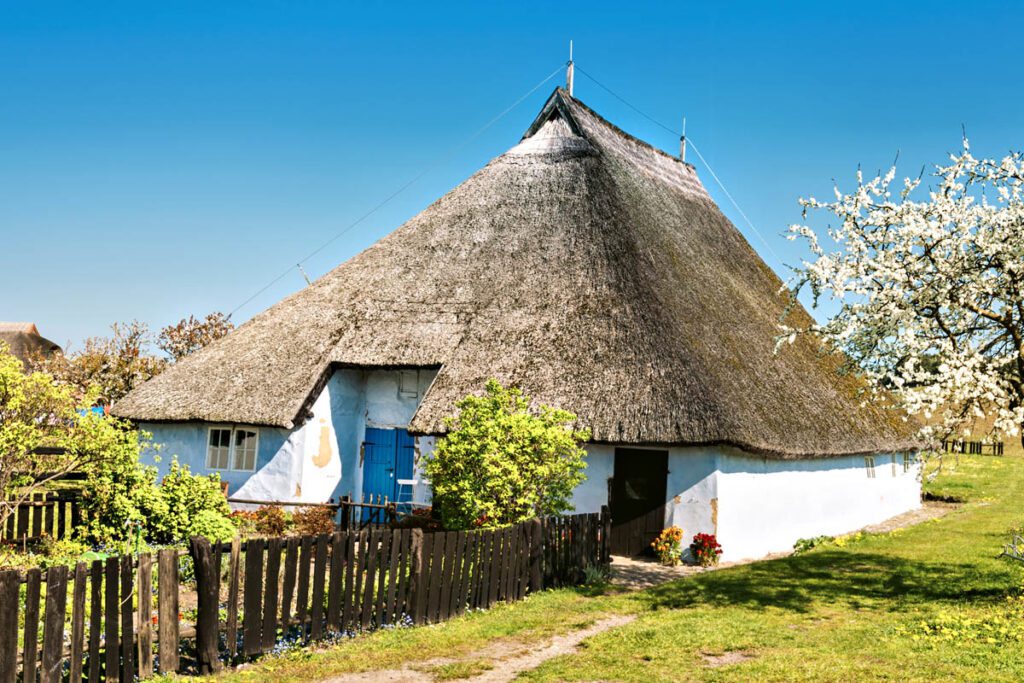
[(556, 106)]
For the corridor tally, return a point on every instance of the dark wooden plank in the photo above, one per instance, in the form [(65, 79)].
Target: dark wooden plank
[(348, 602), (127, 620), (111, 573), (291, 565), (9, 534), (96, 620), (391, 610), (208, 608), (403, 606), (362, 555), (49, 527), (234, 584), (335, 582), (37, 516), (483, 570), (422, 549), (30, 654), (62, 519), (319, 574), (252, 618), (383, 559), (494, 578), (372, 556), (434, 575), (466, 580), (76, 654), (168, 628), (144, 623), (447, 571), (271, 580), (23, 515), (302, 593), (512, 534), (10, 587), (452, 573), (53, 624)]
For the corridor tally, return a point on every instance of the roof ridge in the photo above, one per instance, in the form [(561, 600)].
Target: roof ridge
[(620, 132)]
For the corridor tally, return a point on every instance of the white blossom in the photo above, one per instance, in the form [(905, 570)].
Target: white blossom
[(930, 290)]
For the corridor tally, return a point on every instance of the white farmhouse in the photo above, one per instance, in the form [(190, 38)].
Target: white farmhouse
[(595, 272)]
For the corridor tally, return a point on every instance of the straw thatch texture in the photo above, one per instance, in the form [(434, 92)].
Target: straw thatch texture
[(590, 269), (25, 342)]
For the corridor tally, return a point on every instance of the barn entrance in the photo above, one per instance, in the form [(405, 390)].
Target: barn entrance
[(637, 499)]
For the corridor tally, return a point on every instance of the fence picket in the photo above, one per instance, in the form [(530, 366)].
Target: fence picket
[(288, 589), (234, 576), (271, 578), (391, 611), (168, 629), (347, 617), (76, 655), (371, 566), (144, 626), (95, 619), (421, 559), (319, 574), (382, 575), (302, 594), (252, 598), (10, 587), (334, 590)]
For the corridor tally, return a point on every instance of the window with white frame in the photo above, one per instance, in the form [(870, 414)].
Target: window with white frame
[(232, 448), (869, 465)]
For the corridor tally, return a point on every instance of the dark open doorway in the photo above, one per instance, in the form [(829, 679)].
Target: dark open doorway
[(637, 499)]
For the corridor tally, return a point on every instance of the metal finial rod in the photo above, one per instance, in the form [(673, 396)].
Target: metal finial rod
[(682, 142), (569, 72)]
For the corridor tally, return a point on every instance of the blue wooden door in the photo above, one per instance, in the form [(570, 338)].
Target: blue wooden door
[(387, 457)]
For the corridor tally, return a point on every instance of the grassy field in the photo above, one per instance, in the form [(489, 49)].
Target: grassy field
[(931, 602)]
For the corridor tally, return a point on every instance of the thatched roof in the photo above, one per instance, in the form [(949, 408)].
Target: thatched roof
[(583, 265), (25, 342)]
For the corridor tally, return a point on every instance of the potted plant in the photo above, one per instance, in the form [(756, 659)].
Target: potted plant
[(668, 546), (706, 549)]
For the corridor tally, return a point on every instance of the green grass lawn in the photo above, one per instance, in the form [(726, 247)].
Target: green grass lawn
[(932, 602)]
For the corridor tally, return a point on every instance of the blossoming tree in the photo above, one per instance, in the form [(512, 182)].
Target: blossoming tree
[(929, 282)]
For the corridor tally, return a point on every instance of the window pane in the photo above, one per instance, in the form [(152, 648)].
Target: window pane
[(216, 450), (245, 450)]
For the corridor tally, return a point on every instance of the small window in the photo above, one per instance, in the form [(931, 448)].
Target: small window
[(233, 449), (908, 461), (869, 465), (244, 450), (218, 449)]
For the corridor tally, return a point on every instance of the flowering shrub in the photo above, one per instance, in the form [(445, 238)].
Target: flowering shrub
[(706, 550), (669, 546)]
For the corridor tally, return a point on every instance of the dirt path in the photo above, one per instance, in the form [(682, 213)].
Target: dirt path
[(497, 663)]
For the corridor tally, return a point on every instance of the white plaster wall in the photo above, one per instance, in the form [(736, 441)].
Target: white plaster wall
[(692, 490), (766, 505), (593, 492), (392, 396)]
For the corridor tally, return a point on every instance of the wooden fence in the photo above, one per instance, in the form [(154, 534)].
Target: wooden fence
[(973, 447), (349, 515), (50, 514), (250, 595)]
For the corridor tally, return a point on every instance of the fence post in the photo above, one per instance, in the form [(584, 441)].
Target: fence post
[(536, 556), (10, 584), (208, 612), (167, 610), (416, 595), (606, 536)]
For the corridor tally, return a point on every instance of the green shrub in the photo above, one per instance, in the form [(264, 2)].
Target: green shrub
[(213, 525), (186, 497), (503, 463)]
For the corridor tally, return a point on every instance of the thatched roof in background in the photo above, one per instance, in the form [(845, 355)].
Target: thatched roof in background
[(25, 342), (583, 265)]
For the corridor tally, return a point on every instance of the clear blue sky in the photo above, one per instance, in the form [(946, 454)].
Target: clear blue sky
[(161, 159)]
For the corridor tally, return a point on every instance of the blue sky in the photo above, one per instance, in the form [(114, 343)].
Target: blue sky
[(163, 159)]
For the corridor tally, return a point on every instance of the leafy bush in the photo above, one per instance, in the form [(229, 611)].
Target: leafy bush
[(706, 550), (213, 525), (185, 496), (669, 546), (312, 521), (502, 463)]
